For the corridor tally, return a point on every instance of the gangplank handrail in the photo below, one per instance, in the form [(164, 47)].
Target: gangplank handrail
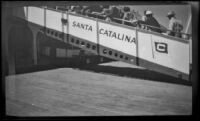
[(136, 21)]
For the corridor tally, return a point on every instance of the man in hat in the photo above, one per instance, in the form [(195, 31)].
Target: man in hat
[(144, 17), (152, 22), (175, 25)]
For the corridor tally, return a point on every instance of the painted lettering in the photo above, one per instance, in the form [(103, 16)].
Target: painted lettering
[(116, 35), (82, 26)]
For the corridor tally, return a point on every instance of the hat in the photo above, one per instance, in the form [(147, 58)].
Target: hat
[(148, 12), (171, 13)]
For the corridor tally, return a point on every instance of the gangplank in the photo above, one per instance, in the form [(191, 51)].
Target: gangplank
[(134, 45)]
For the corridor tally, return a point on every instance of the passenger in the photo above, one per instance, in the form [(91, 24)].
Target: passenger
[(96, 8), (135, 18), (115, 12), (144, 17), (68, 7), (127, 14), (108, 15), (78, 9), (110, 12), (93, 10), (152, 22), (175, 25), (142, 21), (130, 16), (72, 8), (137, 15), (86, 10), (104, 9), (121, 13), (116, 15)]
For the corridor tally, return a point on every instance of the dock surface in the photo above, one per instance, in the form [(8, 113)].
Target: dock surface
[(75, 92)]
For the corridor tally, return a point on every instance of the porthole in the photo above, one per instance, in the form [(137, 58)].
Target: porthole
[(61, 35), (131, 60), (104, 51), (88, 45), (116, 54), (126, 58), (93, 47), (56, 34), (82, 43), (52, 32), (121, 56), (77, 41), (72, 40), (110, 52)]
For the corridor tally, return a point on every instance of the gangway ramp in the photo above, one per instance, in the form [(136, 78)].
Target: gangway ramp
[(154, 51)]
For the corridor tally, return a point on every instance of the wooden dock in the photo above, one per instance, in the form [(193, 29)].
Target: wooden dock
[(75, 92)]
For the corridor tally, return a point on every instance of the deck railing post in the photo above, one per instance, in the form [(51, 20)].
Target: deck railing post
[(137, 46), (97, 27), (45, 21)]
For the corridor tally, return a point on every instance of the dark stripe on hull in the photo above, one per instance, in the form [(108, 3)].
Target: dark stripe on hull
[(83, 44)]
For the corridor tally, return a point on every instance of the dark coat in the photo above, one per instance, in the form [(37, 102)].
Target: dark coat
[(151, 21)]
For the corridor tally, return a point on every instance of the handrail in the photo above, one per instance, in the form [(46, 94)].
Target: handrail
[(186, 36), (131, 22)]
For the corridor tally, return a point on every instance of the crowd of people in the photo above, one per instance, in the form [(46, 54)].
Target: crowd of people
[(109, 12), (125, 15)]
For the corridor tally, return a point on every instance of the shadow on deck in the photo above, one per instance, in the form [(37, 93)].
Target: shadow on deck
[(76, 63), (134, 73)]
